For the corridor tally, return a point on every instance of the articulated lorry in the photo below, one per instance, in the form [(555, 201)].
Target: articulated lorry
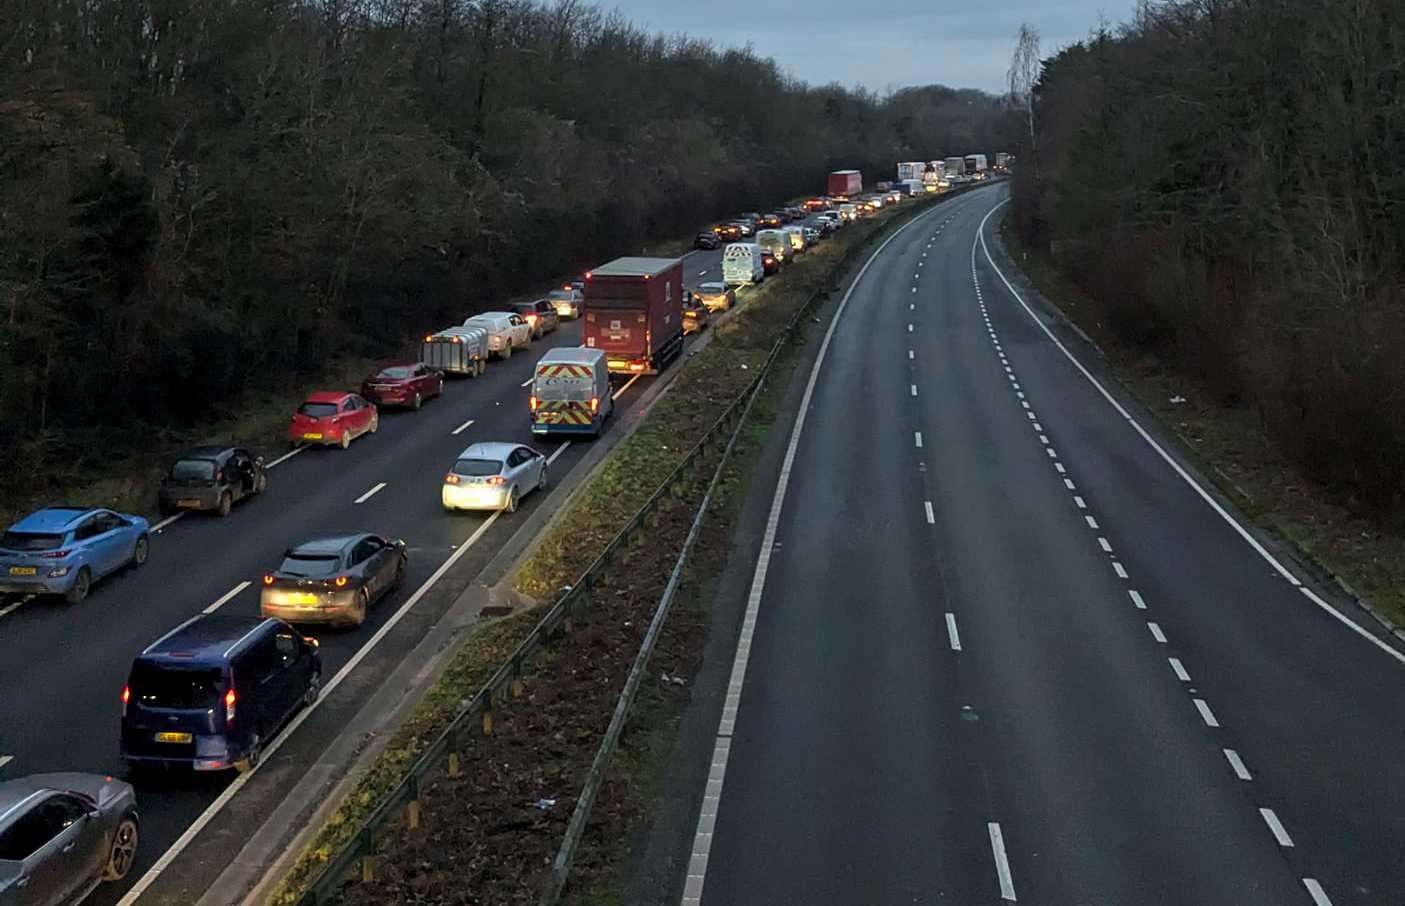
[(634, 312)]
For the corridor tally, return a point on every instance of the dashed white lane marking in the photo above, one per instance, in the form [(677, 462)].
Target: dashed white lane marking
[(625, 386), (168, 520), (371, 493), (914, 289), (1069, 484), (1137, 599), (1038, 427), (910, 355), (1170, 461), (1060, 468), (1103, 543), (1092, 523), (1180, 670), (1280, 833), (225, 598), (1205, 713), (11, 608), (951, 633), (527, 382), (1237, 764), (1002, 864), (1080, 502), (555, 454), (917, 439), (1319, 896), (914, 389), (464, 427), (6, 759), (912, 306), (1050, 451), (909, 328), (931, 516), (285, 457), (1044, 439), (1117, 568), (1156, 632)]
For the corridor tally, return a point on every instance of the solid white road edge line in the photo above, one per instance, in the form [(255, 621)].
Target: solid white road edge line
[(1002, 863), (702, 837), (462, 427), (224, 598), (1184, 475), (237, 784), (369, 494)]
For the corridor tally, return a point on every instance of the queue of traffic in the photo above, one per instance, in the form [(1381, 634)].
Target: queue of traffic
[(212, 692)]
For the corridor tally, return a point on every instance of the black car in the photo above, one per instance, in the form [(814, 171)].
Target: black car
[(795, 213), (772, 220), (211, 478), (707, 239), (334, 579)]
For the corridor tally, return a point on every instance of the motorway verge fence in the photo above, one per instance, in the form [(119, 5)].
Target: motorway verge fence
[(400, 810)]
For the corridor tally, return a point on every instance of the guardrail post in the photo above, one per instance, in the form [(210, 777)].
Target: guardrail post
[(453, 743), (488, 716), (516, 685), (412, 808), (368, 869)]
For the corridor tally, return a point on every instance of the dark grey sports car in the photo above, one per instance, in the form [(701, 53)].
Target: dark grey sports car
[(63, 834), (333, 580)]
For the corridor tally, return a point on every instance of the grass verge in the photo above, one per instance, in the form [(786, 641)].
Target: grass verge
[(487, 832), (1238, 454)]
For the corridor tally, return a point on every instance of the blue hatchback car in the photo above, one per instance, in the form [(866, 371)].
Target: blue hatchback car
[(63, 550)]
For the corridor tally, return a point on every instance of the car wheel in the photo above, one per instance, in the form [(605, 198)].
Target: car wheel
[(314, 689), (418, 402), (81, 586), (123, 851), (251, 758), (141, 551), (225, 504), (261, 483), (363, 607), (375, 423), (507, 350), (345, 439), (544, 482), (399, 574), (511, 501)]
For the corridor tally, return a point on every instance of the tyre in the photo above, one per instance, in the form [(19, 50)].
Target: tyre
[(123, 851), (314, 689), (345, 439), (375, 424), (82, 584), (225, 504), (511, 501), (251, 759), (507, 351), (416, 403), (482, 366), (141, 551), (363, 606), (261, 483), (399, 574), (545, 482)]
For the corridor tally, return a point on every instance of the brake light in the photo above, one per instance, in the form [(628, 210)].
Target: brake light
[(229, 699), (126, 697), (531, 319), (340, 581), (497, 480), (594, 404), (587, 275), (268, 578), (451, 478), (532, 402), (55, 555), (428, 338)]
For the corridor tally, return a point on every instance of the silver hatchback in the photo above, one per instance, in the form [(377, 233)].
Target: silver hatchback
[(63, 834), (493, 476)]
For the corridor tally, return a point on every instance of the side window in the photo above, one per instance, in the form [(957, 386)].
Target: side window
[(44, 822), (287, 647), (362, 552), (259, 662), (514, 459), (86, 529)]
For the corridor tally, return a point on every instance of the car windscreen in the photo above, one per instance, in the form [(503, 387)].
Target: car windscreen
[(193, 470), (565, 295), (318, 410), (396, 373), (175, 687), (309, 566), (710, 288), (30, 541), (477, 467)]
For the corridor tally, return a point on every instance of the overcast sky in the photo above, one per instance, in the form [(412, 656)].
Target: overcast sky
[(883, 44)]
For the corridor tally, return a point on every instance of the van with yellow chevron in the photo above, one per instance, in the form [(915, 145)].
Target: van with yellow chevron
[(571, 392)]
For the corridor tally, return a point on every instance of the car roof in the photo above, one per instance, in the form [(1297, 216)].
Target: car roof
[(52, 519), (571, 355), (203, 638), (327, 396), (327, 544), (209, 451), (490, 450), (712, 286), (15, 792), (397, 363)]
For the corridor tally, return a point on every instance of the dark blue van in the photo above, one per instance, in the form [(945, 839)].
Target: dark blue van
[(212, 692)]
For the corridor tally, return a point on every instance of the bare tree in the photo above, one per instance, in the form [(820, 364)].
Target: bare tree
[(1024, 71)]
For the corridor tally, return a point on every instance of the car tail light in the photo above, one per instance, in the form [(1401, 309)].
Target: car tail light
[(428, 338), (268, 578), (497, 480), (126, 697), (532, 403), (56, 555), (229, 699), (594, 404), (451, 478), (340, 581), (532, 319)]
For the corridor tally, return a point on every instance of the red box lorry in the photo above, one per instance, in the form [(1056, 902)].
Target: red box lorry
[(844, 183), (634, 312)]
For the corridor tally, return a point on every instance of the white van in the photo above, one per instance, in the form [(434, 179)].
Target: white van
[(506, 331), (571, 392), (796, 235), (742, 264), (775, 242)]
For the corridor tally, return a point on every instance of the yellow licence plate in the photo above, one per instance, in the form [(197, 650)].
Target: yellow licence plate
[(22, 570), (173, 737), (301, 597), (188, 503), (312, 437)]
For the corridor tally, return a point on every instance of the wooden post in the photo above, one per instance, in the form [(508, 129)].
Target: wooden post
[(412, 809)]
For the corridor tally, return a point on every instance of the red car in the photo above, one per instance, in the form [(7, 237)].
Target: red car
[(403, 384), (332, 417), (769, 264)]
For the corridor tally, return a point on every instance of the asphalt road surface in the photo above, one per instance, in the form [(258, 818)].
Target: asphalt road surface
[(62, 668), (1000, 649)]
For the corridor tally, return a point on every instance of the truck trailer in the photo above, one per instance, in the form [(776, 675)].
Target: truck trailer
[(955, 166), (844, 183), (634, 312)]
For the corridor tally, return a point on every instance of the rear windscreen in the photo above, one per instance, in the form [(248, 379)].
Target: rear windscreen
[(193, 470), (30, 541), (477, 467), (310, 566), (175, 687), (318, 410), (563, 387), (396, 373)]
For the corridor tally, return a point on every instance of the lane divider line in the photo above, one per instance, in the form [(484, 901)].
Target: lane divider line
[(1280, 833), (1237, 764), (931, 516), (461, 428), (917, 439), (1205, 713), (1002, 862), (1137, 599), (527, 382), (371, 493), (226, 597), (1180, 670), (168, 520), (6, 759), (285, 457), (951, 633), (1319, 896), (1156, 632)]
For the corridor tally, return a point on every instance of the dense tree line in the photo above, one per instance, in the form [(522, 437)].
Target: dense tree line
[(1227, 177), (202, 198)]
